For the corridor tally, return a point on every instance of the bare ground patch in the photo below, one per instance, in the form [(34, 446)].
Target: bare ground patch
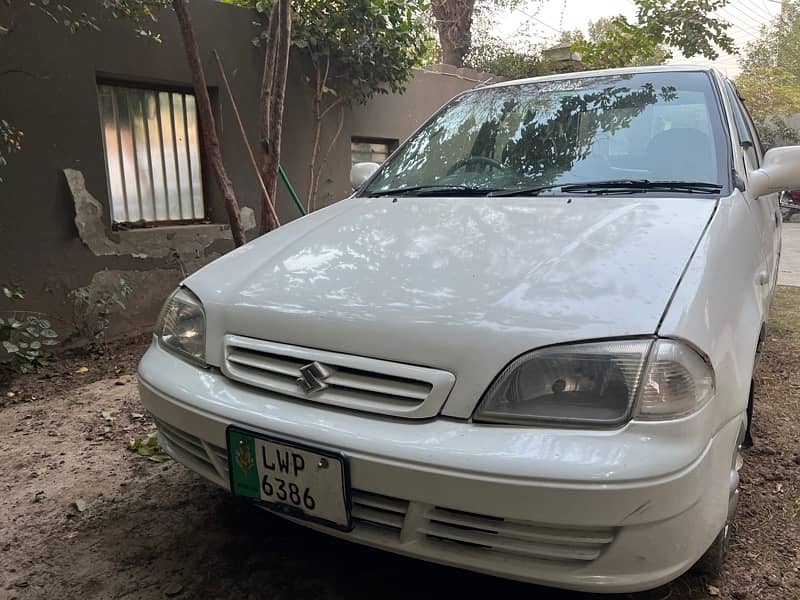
[(153, 530)]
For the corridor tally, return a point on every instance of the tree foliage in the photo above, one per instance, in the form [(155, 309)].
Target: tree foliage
[(371, 45), (356, 50), (492, 55), (770, 77), (613, 42), (140, 13), (688, 25)]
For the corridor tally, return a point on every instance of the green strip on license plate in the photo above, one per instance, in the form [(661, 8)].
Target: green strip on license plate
[(245, 473)]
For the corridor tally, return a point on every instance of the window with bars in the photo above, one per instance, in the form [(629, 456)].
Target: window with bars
[(371, 150), (152, 148)]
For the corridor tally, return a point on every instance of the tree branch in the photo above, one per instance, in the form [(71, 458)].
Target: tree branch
[(331, 145)]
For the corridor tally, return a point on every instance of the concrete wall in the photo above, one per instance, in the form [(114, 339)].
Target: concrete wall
[(55, 232), (398, 116)]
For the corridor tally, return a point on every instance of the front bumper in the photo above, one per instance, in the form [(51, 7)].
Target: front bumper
[(607, 511)]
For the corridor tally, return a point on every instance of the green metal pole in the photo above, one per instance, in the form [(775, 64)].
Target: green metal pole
[(291, 190)]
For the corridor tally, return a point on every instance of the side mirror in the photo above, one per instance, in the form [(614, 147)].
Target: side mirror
[(363, 171), (779, 171)]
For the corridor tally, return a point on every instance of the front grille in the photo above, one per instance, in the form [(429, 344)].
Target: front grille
[(207, 459), (353, 382), (379, 511), (521, 538)]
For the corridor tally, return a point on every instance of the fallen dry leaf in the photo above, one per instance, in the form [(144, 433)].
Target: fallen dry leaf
[(712, 590), (83, 370)]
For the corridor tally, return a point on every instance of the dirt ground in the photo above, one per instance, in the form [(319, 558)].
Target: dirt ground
[(153, 530)]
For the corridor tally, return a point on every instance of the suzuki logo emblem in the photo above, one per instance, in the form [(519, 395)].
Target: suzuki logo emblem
[(312, 377)]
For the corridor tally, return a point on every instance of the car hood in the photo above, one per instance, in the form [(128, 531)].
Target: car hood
[(460, 284)]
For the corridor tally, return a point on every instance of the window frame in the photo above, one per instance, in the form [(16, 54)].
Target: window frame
[(748, 135), (391, 145), (155, 87)]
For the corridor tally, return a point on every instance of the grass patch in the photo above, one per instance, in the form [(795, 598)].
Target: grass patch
[(784, 317)]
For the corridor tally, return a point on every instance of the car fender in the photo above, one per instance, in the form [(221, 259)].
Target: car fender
[(718, 304)]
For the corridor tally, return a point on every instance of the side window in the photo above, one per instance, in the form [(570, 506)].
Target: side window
[(753, 132), (747, 134)]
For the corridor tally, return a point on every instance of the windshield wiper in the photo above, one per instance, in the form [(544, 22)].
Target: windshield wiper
[(609, 186), (530, 191), (434, 190), (634, 185)]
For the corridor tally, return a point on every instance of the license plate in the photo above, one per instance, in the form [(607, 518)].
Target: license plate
[(296, 479)]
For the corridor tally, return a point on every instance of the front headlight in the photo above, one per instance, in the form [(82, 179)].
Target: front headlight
[(599, 384), (181, 326), (676, 383)]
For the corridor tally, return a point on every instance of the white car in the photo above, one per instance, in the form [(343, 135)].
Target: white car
[(524, 346)]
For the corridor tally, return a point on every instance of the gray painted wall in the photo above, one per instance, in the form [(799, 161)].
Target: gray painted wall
[(398, 116), (51, 95)]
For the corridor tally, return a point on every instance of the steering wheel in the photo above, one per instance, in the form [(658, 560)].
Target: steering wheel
[(476, 160)]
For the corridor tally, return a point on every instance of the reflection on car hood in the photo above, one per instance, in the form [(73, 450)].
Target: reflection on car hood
[(460, 284)]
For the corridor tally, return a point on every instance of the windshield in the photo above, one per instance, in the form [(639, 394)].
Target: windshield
[(662, 127)]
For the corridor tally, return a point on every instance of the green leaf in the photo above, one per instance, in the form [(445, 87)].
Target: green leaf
[(49, 333), (10, 348), (159, 457)]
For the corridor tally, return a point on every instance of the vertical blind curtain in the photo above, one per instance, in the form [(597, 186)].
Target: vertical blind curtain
[(152, 154)]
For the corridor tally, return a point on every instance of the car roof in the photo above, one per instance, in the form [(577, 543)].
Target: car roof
[(603, 72)]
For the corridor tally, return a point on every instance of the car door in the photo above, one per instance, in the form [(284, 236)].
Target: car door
[(764, 210), (770, 205)]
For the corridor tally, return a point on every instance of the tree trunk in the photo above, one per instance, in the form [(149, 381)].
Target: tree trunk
[(332, 143), (208, 128), (454, 25), (319, 113), (273, 95), (264, 112), (316, 111)]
